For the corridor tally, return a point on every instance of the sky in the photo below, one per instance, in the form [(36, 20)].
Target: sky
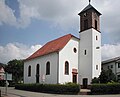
[(26, 25)]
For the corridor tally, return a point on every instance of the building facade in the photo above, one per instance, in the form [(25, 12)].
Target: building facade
[(114, 65), (54, 64), (68, 58)]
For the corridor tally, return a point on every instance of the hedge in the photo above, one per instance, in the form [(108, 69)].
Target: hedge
[(50, 88), (105, 88)]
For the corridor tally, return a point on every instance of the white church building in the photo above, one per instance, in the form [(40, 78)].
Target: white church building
[(68, 58)]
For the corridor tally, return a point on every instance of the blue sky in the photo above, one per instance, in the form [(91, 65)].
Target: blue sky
[(26, 25)]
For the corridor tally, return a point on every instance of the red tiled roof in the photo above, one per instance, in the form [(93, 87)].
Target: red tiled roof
[(52, 46)]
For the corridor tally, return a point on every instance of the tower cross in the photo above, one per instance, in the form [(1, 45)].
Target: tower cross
[(89, 1)]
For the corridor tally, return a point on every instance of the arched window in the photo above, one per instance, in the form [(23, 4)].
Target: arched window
[(66, 68), (37, 73), (29, 71), (37, 69), (48, 68)]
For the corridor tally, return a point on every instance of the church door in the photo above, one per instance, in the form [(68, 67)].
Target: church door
[(74, 78), (85, 83), (37, 73)]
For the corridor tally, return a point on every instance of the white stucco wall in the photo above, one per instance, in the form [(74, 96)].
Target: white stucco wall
[(96, 53), (49, 79), (88, 62), (67, 54)]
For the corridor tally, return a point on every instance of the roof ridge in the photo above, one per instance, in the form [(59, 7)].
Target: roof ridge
[(52, 46)]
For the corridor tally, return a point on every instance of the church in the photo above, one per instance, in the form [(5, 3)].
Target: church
[(68, 58)]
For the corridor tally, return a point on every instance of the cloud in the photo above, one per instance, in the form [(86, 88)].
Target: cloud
[(62, 14), (16, 51), (110, 51), (6, 14)]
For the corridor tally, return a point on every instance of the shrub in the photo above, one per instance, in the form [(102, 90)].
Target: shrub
[(95, 80), (50, 88), (105, 88)]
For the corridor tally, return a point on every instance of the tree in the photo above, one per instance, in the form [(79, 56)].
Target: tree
[(16, 68), (111, 76), (107, 76), (103, 77)]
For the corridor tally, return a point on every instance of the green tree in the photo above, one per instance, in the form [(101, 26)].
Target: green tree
[(103, 77), (107, 76), (16, 68), (111, 76)]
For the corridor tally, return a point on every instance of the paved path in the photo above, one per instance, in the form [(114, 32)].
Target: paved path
[(19, 93)]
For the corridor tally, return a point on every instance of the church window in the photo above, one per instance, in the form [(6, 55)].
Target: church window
[(86, 24), (29, 71), (85, 52), (48, 68), (75, 50), (96, 67), (37, 69), (66, 68), (97, 47), (96, 37), (96, 24)]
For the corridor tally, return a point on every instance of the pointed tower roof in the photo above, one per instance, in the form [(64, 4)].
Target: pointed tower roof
[(88, 8)]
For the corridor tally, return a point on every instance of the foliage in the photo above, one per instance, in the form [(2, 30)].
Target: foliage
[(2, 83), (16, 68), (105, 77), (50, 88), (2, 65), (95, 80), (111, 75), (105, 88)]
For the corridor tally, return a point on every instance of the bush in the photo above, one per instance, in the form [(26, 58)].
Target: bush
[(105, 88), (50, 88), (95, 80)]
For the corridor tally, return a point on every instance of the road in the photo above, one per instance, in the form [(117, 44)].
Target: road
[(19, 93)]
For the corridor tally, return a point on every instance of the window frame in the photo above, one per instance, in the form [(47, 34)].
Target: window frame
[(29, 71), (48, 68), (85, 52), (66, 68), (96, 67), (75, 50)]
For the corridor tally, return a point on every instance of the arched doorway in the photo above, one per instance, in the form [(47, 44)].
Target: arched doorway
[(37, 73)]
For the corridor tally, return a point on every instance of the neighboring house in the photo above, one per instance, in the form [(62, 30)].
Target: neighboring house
[(2, 72), (69, 59), (114, 65)]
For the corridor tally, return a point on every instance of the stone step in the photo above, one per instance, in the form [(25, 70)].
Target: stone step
[(84, 92)]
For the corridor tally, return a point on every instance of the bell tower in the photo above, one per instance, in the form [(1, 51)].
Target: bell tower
[(90, 45), (89, 18)]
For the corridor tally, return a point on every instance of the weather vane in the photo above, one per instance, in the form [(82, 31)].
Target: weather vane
[(89, 1)]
